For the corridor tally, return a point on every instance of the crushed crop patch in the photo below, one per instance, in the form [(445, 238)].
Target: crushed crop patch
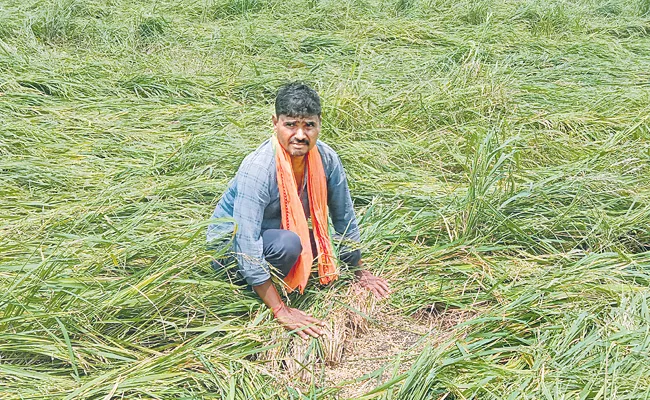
[(367, 344)]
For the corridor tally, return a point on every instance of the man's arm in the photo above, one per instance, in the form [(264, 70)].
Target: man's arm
[(291, 318), (339, 202), (252, 197), (345, 223)]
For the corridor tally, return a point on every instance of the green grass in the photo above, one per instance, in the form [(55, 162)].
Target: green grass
[(498, 155)]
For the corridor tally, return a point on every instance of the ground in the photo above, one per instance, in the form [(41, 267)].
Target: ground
[(389, 337), (498, 156)]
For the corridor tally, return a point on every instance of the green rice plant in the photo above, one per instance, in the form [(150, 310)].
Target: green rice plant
[(236, 7), (477, 13), (57, 21), (486, 172), (500, 178), (152, 26), (155, 86), (403, 5), (7, 26), (643, 7), (544, 20), (609, 9), (534, 355)]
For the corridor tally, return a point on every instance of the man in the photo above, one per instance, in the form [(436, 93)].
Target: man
[(289, 179)]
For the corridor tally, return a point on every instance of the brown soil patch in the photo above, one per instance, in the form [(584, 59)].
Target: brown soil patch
[(391, 337), (352, 356)]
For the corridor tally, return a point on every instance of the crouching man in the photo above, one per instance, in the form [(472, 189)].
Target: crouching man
[(290, 179)]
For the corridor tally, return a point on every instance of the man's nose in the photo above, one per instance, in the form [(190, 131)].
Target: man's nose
[(300, 134)]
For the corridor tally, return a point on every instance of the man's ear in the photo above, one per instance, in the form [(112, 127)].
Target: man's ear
[(274, 118)]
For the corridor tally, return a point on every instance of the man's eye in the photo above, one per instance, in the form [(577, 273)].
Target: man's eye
[(311, 124), (289, 124)]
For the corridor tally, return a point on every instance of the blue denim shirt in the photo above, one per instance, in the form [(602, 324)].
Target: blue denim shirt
[(253, 201)]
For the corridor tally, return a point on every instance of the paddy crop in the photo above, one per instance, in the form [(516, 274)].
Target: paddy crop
[(498, 154)]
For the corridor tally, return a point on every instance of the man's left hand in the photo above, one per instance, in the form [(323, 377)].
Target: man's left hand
[(375, 284)]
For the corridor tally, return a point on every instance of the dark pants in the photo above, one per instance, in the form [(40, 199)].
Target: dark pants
[(282, 248)]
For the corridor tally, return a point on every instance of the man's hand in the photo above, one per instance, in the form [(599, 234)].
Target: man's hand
[(295, 319), (375, 284), (291, 318)]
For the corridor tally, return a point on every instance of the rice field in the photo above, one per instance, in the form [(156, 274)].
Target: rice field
[(498, 154)]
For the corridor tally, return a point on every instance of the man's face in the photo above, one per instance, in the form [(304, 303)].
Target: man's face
[(297, 134)]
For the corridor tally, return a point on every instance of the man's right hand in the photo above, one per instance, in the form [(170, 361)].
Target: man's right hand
[(303, 324), (291, 319)]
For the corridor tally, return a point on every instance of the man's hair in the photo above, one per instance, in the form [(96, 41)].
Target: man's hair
[(296, 99)]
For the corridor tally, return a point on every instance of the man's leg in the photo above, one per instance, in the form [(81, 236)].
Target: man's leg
[(281, 249)]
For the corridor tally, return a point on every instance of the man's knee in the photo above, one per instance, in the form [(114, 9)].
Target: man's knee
[(292, 248), (281, 248)]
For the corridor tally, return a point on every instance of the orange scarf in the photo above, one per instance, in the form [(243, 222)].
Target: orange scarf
[(293, 217)]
